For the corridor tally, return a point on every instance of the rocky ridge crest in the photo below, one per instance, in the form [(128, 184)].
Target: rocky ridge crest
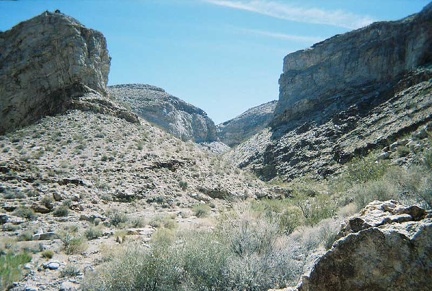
[(174, 115), (68, 61), (242, 127)]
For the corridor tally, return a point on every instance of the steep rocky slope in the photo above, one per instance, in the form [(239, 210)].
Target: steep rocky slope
[(345, 97), (68, 60), (237, 130), (74, 185), (179, 118)]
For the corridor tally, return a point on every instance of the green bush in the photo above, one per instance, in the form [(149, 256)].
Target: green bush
[(25, 212), (25, 236), (239, 255), (10, 268), (201, 210), (163, 221), (73, 245), (47, 254), (61, 211), (70, 271), (117, 218), (93, 233)]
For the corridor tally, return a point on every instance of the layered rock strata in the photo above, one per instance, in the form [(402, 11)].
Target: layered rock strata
[(346, 96), (46, 63), (172, 114), (361, 67)]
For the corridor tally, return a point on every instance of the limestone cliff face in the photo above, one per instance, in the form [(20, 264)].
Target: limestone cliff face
[(46, 61), (346, 96), (177, 117), (359, 67), (237, 130)]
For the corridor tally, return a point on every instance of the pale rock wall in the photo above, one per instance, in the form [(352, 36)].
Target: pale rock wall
[(46, 61)]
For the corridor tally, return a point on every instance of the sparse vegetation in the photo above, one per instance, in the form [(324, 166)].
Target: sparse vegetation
[(201, 210), (48, 254), (10, 268), (61, 211), (70, 271), (25, 212), (93, 232)]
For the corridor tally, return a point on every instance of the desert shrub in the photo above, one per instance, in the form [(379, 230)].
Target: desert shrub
[(25, 236), (163, 221), (201, 210), (70, 271), (238, 255), (73, 245), (280, 212), (13, 194), (25, 212), (183, 185), (137, 222), (315, 209), (10, 268), (47, 254), (117, 218), (48, 201), (427, 159), (61, 211), (93, 232), (322, 234)]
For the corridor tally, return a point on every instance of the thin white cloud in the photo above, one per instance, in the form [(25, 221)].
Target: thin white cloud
[(283, 36), (280, 10)]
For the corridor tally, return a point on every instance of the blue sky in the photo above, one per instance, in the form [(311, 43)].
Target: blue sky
[(224, 56)]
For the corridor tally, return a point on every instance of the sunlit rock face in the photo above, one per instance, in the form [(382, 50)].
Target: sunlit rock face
[(387, 246), (172, 114), (359, 67), (45, 62), (240, 128), (345, 97)]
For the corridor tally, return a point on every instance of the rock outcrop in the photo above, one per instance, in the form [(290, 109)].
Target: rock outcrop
[(345, 97), (46, 64), (361, 67), (174, 115), (237, 130), (388, 246)]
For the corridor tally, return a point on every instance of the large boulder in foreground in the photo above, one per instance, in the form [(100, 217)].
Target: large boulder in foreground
[(44, 63), (387, 246)]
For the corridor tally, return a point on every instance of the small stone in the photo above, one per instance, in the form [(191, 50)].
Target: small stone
[(52, 265)]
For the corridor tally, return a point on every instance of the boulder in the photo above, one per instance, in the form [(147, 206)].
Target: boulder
[(387, 246)]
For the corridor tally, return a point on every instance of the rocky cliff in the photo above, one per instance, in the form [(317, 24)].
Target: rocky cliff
[(346, 96), (387, 246), (237, 130), (46, 64), (361, 67), (177, 117)]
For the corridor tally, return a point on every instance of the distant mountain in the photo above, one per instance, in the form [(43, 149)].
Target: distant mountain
[(174, 115), (345, 97), (237, 130)]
